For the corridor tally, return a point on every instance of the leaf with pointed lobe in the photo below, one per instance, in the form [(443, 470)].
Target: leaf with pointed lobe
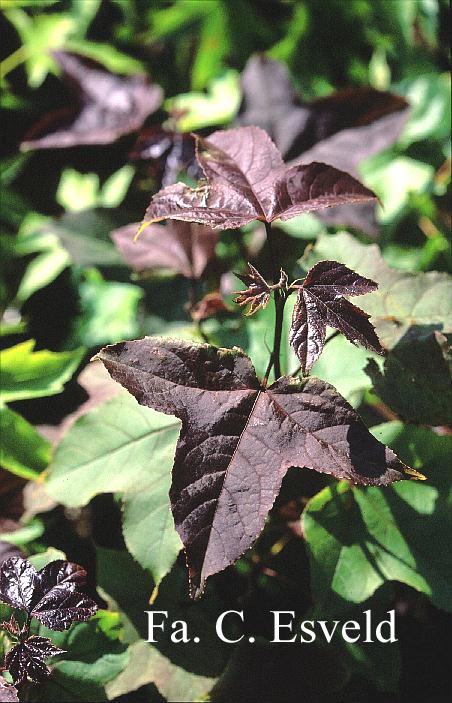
[(247, 180), (238, 440), (371, 119), (61, 606), (183, 247), (258, 293), (27, 659), (18, 581), (49, 595), (109, 106), (321, 302)]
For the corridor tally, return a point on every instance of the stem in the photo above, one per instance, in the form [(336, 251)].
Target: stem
[(13, 60), (280, 300)]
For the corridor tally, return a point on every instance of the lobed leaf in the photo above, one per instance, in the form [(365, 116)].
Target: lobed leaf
[(238, 440), (108, 106), (27, 659), (248, 180), (49, 595), (321, 302), (403, 300)]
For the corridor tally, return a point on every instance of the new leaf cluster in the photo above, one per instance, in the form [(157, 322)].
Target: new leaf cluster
[(50, 595)]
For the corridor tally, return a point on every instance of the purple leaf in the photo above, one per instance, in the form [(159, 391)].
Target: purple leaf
[(18, 580), (248, 180), (342, 129), (180, 246), (258, 293), (12, 626), (107, 106), (320, 302), (61, 606), (238, 439), (49, 595), (27, 659), (373, 119), (172, 152)]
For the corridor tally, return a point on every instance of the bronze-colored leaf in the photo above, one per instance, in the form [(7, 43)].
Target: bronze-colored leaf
[(258, 293), (238, 439), (321, 302), (107, 106), (183, 247), (248, 180), (209, 306)]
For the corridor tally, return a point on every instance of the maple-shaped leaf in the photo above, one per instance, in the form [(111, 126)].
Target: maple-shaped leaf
[(321, 302), (258, 293), (341, 129), (26, 660), (107, 106), (170, 151), (183, 247), (238, 439), (49, 595), (373, 119), (247, 180)]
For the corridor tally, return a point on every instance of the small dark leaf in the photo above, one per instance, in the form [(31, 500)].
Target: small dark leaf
[(62, 606), (180, 246), (108, 106), (18, 580), (49, 595), (373, 119), (320, 302), (258, 293), (238, 440), (172, 153), (209, 306), (248, 180), (8, 693), (27, 659), (12, 626)]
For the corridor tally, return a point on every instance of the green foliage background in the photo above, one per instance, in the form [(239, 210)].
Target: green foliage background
[(64, 285)]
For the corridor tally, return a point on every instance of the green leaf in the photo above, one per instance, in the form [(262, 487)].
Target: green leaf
[(81, 191), (92, 660), (77, 191), (108, 312), (403, 299), (342, 364), (30, 374), (26, 534), (398, 533), (126, 448), (429, 97), (146, 665), (23, 450), (416, 381), (394, 180), (216, 107), (41, 560)]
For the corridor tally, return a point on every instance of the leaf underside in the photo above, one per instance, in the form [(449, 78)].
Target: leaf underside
[(238, 440)]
